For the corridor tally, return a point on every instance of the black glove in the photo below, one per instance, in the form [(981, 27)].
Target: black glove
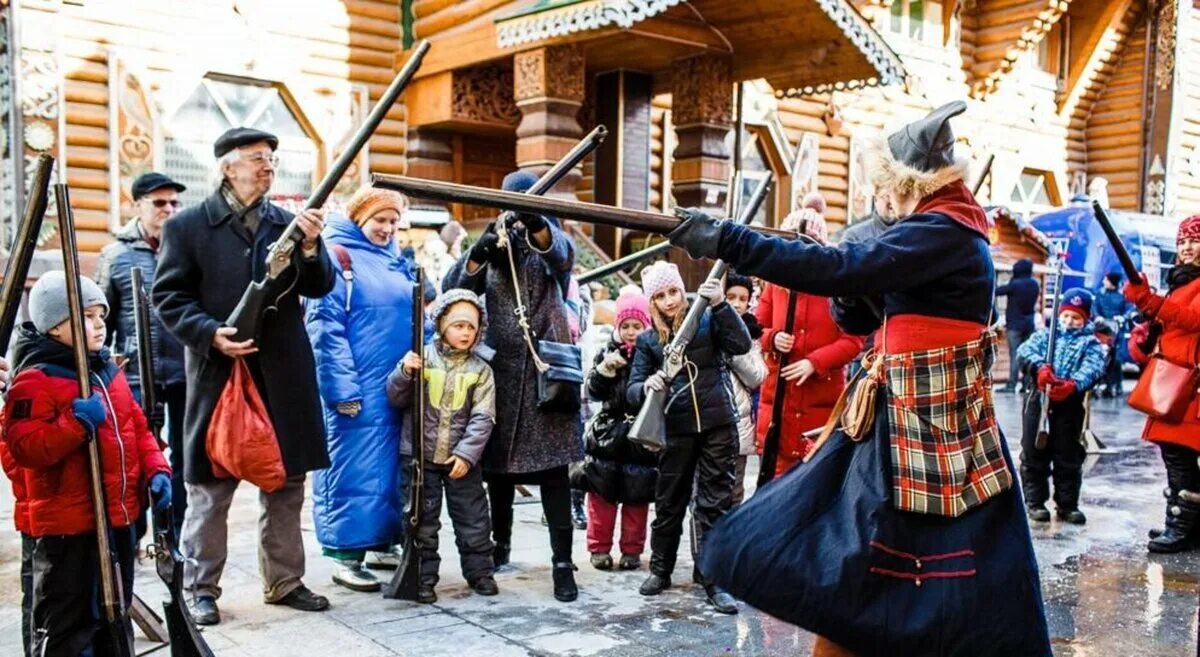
[(534, 223), (486, 247), (158, 417), (699, 234)]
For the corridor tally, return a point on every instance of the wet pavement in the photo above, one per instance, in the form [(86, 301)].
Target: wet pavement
[(1105, 596)]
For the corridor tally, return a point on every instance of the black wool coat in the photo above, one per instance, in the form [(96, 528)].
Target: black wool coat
[(205, 263)]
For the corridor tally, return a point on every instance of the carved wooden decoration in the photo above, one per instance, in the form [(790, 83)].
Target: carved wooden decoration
[(1164, 61), (553, 72), (706, 83), (131, 138), (861, 195), (41, 101), (485, 94), (359, 172), (805, 172)]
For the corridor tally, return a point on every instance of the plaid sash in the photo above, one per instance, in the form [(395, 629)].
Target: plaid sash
[(945, 441)]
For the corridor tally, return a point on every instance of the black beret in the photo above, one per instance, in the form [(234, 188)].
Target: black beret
[(150, 181), (238, 137)]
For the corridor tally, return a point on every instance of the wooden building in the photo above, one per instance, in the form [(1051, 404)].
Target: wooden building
[(1060, 92)]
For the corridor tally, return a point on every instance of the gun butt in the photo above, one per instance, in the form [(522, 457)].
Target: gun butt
[(649, 428), (245, 317)]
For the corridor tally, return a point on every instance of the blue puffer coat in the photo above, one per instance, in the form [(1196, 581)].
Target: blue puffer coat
[(357, 502)]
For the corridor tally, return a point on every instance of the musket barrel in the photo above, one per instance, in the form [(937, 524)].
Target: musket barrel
[(582, 149), (621, 263), (1131, 272), (20, 255), (606, 215)]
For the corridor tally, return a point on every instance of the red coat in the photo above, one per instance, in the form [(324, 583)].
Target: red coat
[(819, 340), (43, 437), (1180, 339), (16, 475)]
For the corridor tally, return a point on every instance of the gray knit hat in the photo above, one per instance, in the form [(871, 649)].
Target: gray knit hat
[(48, 299)]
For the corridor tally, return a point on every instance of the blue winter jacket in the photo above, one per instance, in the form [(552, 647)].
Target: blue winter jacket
[(1078, 355), (358, 501), (1111, 303)]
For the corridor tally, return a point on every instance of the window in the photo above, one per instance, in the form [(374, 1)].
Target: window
[(756, 165), (919, 20), (220, 103), (1034, 191)]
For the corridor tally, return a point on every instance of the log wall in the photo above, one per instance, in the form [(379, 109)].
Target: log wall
[(320, 51), (1113, 130)]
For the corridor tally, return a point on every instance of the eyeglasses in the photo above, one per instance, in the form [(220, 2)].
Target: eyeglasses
[(161, 203), (260, 158)]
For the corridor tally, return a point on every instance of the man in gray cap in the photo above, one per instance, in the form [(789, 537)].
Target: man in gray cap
[(156, 200), (210, 254)]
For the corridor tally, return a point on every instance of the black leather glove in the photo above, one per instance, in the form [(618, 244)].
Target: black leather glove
[(534, 223), (699, 234), (486, 247)]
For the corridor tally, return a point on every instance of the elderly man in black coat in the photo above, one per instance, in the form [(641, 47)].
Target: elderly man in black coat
[(210, 253)]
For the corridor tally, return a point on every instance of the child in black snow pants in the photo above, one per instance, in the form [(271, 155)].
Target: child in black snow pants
[(697, 464), (460, 410), (1078, 366)]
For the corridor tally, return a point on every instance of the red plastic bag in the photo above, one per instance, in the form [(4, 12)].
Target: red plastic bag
[(241, 441)]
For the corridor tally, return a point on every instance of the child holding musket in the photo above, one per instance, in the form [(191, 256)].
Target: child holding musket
[(46, 429), (1078, 365), (460, 411)]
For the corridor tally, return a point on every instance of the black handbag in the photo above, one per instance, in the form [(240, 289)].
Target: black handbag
[(559, 385)]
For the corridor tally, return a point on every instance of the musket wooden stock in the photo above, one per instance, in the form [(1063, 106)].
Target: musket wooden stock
[(112, 605), (24, 243), (605, 215)]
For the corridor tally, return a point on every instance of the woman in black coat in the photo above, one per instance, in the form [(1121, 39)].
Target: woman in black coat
[(701, 421)]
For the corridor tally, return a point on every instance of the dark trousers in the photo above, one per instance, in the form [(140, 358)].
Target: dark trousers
[(695, 470), (66, 593), (173, 398), (1062, 458), (27, 544), (1015, 337), (555, 488), (1183, 472), (468, 506), (1113, 376)]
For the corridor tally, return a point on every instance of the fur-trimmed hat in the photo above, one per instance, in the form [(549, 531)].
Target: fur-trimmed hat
[(918, 159)]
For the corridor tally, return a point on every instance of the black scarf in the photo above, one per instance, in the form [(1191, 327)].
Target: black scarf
[(752, 325), (1182, 275)]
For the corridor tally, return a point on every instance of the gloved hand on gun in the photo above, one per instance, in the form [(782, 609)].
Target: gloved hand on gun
[(1060, 389)]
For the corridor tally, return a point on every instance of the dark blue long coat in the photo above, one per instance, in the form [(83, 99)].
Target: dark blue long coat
[(205, 263), (807, 548)]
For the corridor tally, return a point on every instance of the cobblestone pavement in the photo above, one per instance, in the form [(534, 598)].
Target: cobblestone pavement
[(1105, 595)]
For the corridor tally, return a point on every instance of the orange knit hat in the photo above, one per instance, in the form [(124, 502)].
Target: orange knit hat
[(369, 201)]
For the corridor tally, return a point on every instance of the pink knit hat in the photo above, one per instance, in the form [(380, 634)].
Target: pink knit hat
[(632, 305), (660, 275)]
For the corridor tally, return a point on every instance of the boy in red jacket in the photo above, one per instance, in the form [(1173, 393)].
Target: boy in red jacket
[(46, 429)]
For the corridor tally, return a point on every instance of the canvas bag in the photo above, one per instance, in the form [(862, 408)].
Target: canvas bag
[(241, 441)]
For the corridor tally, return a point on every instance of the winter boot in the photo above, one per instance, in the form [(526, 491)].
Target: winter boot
[(565, 589), (655, 584), (351, 575), (1071, 516), (1171, 500), (602, 561), (629, 562), (389, 560), (485, 585), (1181, 520), (578, 515), (500, 554), (722, 602), (425, 594), (1038, 513)]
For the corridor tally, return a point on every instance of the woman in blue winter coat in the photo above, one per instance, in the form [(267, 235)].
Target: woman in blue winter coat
[(359, 331)]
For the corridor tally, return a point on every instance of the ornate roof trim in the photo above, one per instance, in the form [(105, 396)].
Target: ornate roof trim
[(534, 26), (864, 37)]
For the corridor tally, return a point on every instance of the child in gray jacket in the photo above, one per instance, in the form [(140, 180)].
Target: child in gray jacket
[(460, 410)]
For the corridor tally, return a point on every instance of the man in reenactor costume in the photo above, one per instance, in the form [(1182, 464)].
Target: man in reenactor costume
[(210, 254), (904, 534)]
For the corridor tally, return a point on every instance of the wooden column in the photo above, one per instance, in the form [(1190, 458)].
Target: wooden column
[(548, 85), (622, 172), (702, 109), (431, 155)]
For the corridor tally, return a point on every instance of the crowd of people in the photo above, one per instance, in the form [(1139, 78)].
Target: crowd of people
[(882, 332)]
